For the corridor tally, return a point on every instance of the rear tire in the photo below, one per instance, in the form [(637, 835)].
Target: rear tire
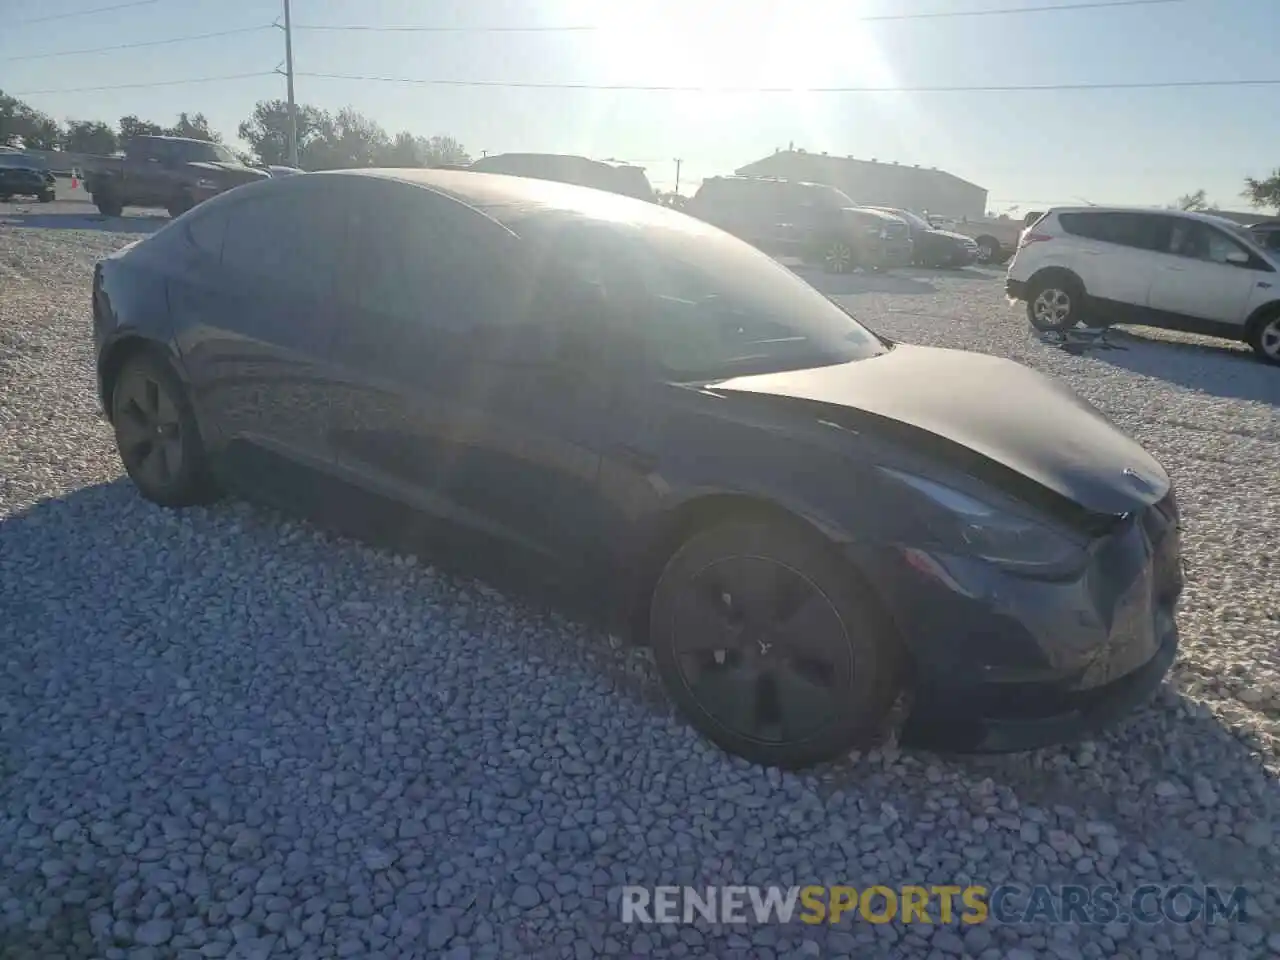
[(838, 257), (1055, 302), (770, 645), (989, 250), (157, 435), (1264, 337)]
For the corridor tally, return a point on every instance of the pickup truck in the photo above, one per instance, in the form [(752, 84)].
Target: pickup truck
[(170, 172)]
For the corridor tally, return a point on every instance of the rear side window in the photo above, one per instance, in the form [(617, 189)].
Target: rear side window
[(1122, 228), (1199, 241), (291, 238)]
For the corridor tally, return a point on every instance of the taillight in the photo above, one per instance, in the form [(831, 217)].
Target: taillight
[(1029, 238)]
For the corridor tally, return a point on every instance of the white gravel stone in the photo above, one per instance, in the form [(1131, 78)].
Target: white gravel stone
[(228, 733)]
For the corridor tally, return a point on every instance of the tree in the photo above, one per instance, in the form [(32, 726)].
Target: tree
[(1193, 201), (408, 150), (9, 118), (195, 126), (20, 122), (1263, 193), (90, 136), (446, 150), (131, 127), (267, 131), (351, 140)]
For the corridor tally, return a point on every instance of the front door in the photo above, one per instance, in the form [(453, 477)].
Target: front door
[(1194, 278), (444, 401)]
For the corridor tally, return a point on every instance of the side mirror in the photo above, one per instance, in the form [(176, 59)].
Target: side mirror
[(1239, 258)]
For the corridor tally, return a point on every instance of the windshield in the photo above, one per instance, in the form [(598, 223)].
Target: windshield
[(919, 223), (831, 195), (705, 307)]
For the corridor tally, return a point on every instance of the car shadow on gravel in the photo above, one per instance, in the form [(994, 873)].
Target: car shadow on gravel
[(1163, 777), (84, 221), (1226, 370)]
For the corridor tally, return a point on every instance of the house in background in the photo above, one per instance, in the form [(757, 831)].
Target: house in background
[(872, 182)]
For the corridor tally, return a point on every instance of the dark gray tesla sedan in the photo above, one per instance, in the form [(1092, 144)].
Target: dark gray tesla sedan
[(808, 523)]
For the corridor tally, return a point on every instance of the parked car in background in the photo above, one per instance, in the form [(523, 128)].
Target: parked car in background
[(16, 181), (620, 178), (997, 238), (803, 519), (934, 247), (813, 222), (175, 173), (1159, 268)]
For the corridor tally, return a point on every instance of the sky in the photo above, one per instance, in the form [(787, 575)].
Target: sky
[(1028, 148)]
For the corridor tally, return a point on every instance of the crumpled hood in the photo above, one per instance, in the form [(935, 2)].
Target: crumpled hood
[(230, 171), (1009, 413)]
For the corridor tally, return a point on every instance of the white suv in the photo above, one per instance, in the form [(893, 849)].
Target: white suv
[(1159, 268)]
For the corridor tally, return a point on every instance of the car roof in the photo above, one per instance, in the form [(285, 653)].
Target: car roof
[(512, 200), (1187, 214)]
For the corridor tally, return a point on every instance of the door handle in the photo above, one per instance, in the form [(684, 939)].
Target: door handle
[(1176, 269)]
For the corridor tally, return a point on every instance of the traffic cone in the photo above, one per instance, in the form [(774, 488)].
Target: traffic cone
[(75, 179)]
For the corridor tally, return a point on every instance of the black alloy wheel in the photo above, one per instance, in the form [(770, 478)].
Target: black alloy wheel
[(157, 436), (770, 647)]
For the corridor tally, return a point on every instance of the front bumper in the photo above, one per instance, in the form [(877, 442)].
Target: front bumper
[(1005, 662)]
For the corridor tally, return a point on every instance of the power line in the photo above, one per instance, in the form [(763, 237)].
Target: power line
[(141, 43), (877, 18), (153, 83), (81, 13), (663, 88)]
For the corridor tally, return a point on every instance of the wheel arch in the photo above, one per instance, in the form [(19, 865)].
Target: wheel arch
[(1261, 315), (1060, 273), (681, 522)]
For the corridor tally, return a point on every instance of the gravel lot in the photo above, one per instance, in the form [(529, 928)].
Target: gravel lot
[(223, 733)]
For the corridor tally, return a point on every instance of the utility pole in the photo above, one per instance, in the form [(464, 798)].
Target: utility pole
[(293, 106), (678, 163)]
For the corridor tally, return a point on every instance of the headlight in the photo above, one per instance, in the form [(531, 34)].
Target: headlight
[(204, 184), (965, 524)]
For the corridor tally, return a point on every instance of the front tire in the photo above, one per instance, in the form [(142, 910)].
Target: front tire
[(157, 435), (1264, 337), (1054, 303), (180, 205), (771, 647), (108, 206)]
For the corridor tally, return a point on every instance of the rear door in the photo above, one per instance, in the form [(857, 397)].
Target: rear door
[(256, 305), (1114, 253), (1195, 279)]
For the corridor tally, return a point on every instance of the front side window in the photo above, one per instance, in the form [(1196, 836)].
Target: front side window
[(1199, 241), (701, 308)]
